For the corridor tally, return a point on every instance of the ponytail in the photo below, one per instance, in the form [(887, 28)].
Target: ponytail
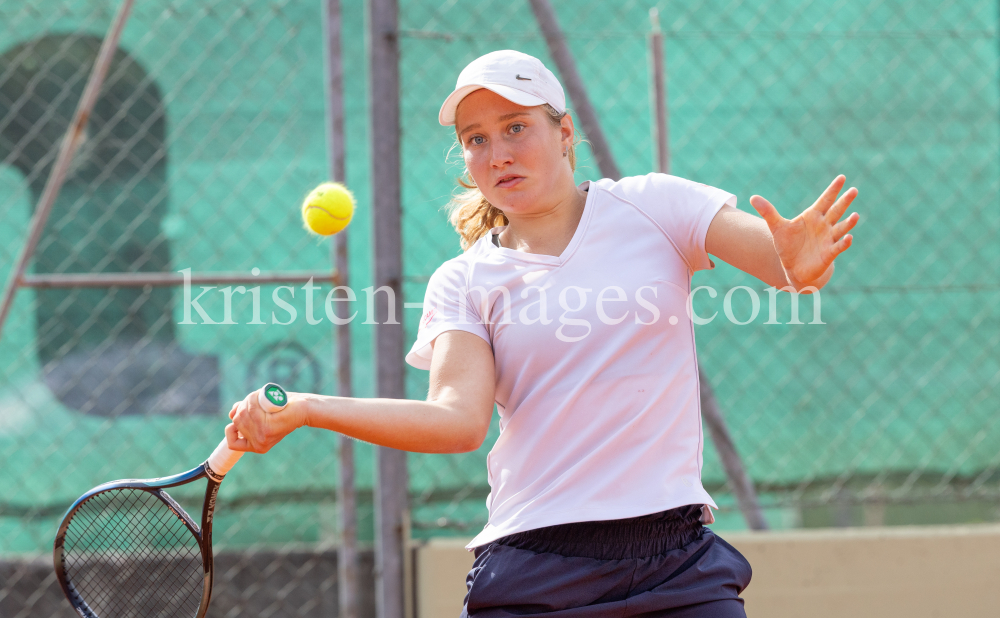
[(472, 215)]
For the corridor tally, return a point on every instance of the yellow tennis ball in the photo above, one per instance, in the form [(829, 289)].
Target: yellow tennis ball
[(328, 208)]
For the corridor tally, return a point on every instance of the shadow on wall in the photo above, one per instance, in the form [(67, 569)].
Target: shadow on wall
[(103, 351)]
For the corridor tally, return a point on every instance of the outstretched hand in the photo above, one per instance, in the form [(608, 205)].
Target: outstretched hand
[(808, 244)]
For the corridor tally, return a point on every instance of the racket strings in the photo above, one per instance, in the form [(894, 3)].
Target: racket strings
[(128, 554)]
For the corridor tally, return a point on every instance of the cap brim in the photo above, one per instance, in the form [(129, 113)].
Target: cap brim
[(447, 114)]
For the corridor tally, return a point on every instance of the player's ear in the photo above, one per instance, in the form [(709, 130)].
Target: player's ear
[(567, 128)]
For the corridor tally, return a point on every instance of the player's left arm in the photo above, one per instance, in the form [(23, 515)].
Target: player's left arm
[(783, 252)]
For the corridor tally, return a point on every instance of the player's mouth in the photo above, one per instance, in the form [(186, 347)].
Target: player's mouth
[(509, 180)]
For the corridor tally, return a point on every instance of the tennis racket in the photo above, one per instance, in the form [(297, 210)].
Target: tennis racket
[(126, 549)]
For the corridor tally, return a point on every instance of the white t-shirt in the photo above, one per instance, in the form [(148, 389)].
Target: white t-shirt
[(596, 372)]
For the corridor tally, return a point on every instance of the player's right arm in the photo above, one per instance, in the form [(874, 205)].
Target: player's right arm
[(454, 418)]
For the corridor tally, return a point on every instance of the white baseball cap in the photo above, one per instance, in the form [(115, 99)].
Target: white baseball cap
[(517, 77)]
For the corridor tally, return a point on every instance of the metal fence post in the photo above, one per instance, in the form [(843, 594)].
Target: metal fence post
[(585, 112), (391, 476), (347, 553), (659, 82)]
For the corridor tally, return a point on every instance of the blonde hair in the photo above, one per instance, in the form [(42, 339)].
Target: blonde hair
[(471, 213)]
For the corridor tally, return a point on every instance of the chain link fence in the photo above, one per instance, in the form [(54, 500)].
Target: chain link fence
[(210, 130)]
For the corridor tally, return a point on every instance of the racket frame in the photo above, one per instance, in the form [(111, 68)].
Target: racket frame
[(202, 533), (272, 398)]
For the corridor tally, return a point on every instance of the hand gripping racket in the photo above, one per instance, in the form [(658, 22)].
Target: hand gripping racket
[(126, 549)]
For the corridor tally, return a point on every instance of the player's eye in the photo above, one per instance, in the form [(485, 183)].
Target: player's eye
[(517, 128), (477, 140)]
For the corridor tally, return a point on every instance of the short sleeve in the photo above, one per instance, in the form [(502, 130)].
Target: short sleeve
[(447, 306), (682, 208)]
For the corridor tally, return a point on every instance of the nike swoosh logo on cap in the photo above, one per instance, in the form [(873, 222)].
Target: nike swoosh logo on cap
[(527, 79)]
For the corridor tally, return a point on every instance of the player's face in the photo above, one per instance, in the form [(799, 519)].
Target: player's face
[(514, 153)]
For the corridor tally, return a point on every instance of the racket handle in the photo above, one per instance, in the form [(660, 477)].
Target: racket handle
[(223, 459), (272, 398)]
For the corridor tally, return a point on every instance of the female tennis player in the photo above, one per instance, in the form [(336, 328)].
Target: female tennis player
[(570, 310)]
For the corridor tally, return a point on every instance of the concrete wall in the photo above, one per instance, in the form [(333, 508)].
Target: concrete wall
[(910, 572)]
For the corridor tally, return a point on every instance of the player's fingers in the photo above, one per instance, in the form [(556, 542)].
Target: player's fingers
[(252, 402), (235, 441), (251, 421), (829, 196), (238, 408), (842, 245), (845, 226), (840, 206), (239, 416), (767, 211)]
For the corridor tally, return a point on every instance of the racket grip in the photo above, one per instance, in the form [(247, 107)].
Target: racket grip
[(223, 458), (272, 398)]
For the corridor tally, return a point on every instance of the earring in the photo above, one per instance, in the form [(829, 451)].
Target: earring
[(565, 152)]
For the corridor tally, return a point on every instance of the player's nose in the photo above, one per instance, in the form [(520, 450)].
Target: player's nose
[(500, 155)]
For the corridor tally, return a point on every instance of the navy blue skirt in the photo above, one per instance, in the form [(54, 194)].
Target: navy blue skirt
[(661, 565)]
